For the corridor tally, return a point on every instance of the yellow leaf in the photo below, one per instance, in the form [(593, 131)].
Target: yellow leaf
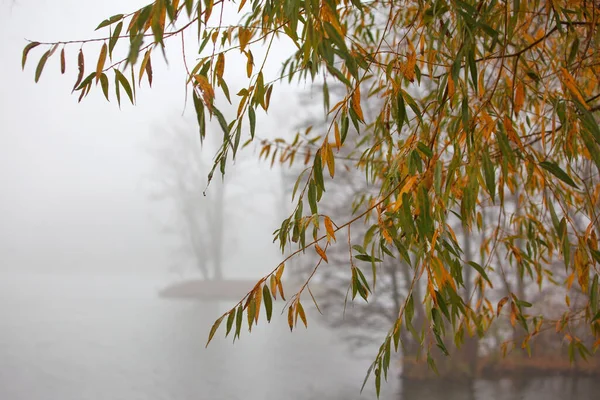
[(307, 157), (409, 67), (280, 286), (273, 285), (582, 268), (244, 36), (450, 87), (321, 253), (208, 93), (355, 103), (143, 66), (279, 272), (249, 63), (569, 281), (512, 134), (101, 61), (519, 97), (291, 318), (501, 304), (300, 311), (220, 66), (330, 159), (329, 228), (208, 10), (408, 185), (571, 84), (338, 139), (258, 300)]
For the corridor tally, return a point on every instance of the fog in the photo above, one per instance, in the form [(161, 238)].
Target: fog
[(77, 177), (91, 233)]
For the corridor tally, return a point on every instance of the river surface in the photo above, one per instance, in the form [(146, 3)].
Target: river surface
[(113, 338)]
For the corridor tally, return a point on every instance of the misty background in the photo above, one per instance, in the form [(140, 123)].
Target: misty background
[(77, 177), (87, 243)]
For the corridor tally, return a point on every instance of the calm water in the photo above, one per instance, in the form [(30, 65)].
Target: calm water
[(75, 339)]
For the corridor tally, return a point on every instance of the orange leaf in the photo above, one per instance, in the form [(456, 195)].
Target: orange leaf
[(321, 253), (519, 97), (208, 93), (329, 228), (355, 103), (338, 139), (450, 87), (571, 84), (220, 66)]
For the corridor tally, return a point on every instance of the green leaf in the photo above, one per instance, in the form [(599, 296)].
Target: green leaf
[(189, 7), (312, 197), (221, 119), (230, 319), (251, 312), (134, 49), (199, 107), (88, 79), (214, 329), (104, 84), (41, 63), (114, 37), (413, 105), (367, 377), (125, 83), (481, 271), (573, 51), (110, 21), (425, 150), (318, 171), (363, 279), (555, 170), (117, 90), (366, 257), (268, 302), (238, 322), (252, 118), (473, 68), (335, 37), (489, 173)]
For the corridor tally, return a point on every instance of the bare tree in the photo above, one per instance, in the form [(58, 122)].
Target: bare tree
[(181, 178)]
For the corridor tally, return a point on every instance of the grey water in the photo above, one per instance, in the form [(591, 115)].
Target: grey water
[(79, 338)]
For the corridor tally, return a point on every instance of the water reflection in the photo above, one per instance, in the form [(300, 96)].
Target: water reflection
[(549, 388), (75, 340)]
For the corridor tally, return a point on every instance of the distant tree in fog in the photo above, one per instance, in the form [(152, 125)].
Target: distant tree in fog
[(180, 178)]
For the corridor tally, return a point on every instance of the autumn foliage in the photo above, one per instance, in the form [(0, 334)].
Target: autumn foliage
[(481, 125)]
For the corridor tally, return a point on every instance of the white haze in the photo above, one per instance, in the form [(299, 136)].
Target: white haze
[(75, 176)]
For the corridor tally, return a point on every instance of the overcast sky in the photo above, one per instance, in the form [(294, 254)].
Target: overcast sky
[(74, 177)]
